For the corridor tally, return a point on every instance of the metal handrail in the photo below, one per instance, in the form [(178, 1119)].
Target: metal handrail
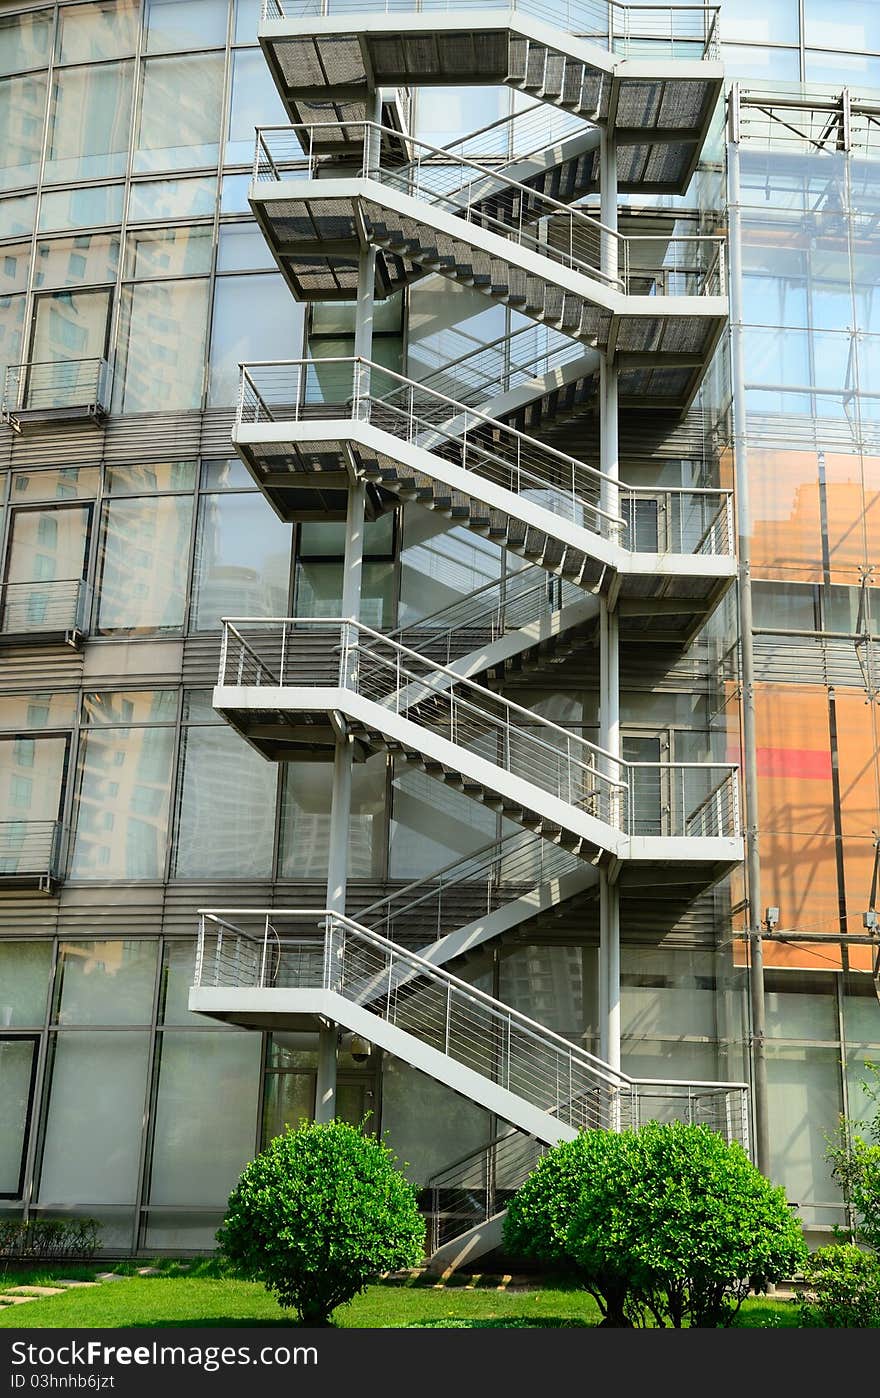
[(84, 383), (557, 761), (611, 20), (593, 248), (288, 381), (59, 604)]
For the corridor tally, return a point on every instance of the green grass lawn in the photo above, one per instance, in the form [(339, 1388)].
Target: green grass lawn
[(204, 1296)]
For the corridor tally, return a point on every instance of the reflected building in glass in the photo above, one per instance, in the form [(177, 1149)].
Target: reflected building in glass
[(135, 280)]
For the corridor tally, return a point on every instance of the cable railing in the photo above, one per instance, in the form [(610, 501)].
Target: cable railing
[(484, 196), (485, 615), (57, 385), (691, 799), (31, 850), (493, 875), (479, 1185), (427, 1002), (671, 31), (61, 605), (650, 519), (398, 680), (498, 365)]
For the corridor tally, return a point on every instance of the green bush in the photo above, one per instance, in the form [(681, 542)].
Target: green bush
[(48, 1239), (688, 1221), (843, 1288), (539, 1215), (318, 1214), (854, 1156)]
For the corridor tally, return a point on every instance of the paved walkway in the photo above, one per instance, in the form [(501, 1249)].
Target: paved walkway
[(19, 1295)]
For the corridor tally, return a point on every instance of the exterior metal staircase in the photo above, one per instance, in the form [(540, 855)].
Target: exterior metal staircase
[(521, 248), (651, 75), (668, 550), (284, 697), (292, 968), (499, 211)]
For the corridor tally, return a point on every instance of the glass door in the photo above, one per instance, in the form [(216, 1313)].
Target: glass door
[(69, 342)]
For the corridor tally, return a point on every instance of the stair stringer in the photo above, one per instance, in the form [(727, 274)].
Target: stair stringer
[(379, 443), (314, 1004), (403, 734), (483, 929)]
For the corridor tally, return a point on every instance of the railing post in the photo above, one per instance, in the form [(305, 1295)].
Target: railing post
[(217, 955), (263, 956)]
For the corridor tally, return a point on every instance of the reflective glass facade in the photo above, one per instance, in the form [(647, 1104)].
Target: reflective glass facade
[(127, 241)]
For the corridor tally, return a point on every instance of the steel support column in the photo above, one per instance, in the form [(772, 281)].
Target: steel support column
[(340, 801), (749, 742), (609, 635)]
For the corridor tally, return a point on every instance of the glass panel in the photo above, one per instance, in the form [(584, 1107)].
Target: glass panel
[(24, 41), (207, 1113), (155, 200), (760, 21), (95, 1118), (326, 539), (226, 788), (438, 565), (31, 774), (305, 819), (150, 479), (754, 61), (22, 113), (16, 1069), (842, 69), (105, 982), (254, 318), (142, 569), (89, 122), (289, 1099), (804, 1102), (319, 592), (185, 24), (17, 215), (242, 248), (799, 1015), (122, 803), (46, 546), (178, 252), (247, 19), (432, 825), (178, 974), (24, 984), (557, 986), (161, 346), (84, 260), (231, 474), (242, 560), (853, 25), (103, 30), (181, 104), (862, 1019), (255, 102), (14, 264), (112, 707), (81, 208), (445, 1126), (234, 194), (37, 711), (68, 483), (68, 325), (11, 323), (442, 114)]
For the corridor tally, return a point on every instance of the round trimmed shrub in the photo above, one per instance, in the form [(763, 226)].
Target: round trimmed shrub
[(318, 1214), (689, 1221), (541, 1211)]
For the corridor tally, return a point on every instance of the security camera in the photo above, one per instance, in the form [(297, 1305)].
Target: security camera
[(360, 1050)]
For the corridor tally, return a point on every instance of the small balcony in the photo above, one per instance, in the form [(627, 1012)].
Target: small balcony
[(44, 613), (58, 390), (31, 854)]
